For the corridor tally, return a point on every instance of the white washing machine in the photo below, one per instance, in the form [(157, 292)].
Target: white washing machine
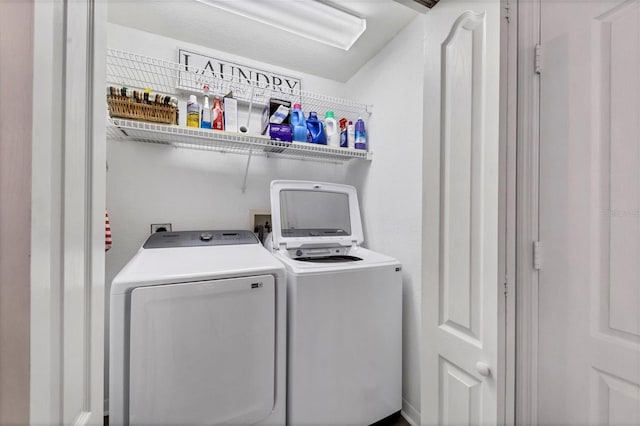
[(344, 308), (198, 333)]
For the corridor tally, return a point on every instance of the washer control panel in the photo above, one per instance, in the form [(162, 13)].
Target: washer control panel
[(199, 239), (319, 252)]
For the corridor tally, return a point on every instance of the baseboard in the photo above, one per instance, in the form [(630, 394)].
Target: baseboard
[(410, 414)]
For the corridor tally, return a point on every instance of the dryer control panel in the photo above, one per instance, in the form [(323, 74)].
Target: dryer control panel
[(199, 239)]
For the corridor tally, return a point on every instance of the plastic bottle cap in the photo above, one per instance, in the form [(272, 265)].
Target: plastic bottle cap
[(205, 87), (350, 122), (297, 106), (329, 114)]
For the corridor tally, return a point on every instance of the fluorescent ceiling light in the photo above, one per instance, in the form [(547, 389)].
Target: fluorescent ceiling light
[(315, 20)]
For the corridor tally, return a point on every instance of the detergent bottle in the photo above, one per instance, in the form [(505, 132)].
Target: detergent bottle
[(316, 129), (193, 112), (331, 129), (217, 117), (299, 124), (343, 133), (205, 121), (361, 134), (351, 135)]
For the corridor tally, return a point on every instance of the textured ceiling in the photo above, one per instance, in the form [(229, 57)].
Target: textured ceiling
[(198, 23)]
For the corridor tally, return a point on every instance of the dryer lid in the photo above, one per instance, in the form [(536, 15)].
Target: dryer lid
[(314, 214)]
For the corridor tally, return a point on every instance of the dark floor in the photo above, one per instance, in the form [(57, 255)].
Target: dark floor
[(395, 419), (401, 422)]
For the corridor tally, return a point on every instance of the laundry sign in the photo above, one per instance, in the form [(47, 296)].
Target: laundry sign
[(223, 77)]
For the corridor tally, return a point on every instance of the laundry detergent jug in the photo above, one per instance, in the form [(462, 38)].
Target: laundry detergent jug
[(331, 129), (299, 124), (316, 129)]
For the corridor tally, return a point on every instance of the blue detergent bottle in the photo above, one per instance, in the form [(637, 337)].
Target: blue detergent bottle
[(316, 129), (361, 135), (299, 124)]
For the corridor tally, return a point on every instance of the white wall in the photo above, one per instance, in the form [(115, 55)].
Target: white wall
[(391, 186), (16, 113)]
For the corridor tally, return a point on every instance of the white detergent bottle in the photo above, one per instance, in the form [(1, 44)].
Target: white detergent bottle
[(193, 112), (351, 135), (331, 130)]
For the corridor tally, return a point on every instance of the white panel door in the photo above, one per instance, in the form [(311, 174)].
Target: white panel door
[(461, 284), (589, 283)]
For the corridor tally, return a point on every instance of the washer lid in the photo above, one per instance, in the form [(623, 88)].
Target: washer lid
[(314, 214)]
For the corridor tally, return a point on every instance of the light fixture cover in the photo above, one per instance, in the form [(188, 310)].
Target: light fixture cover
[(311, 19)]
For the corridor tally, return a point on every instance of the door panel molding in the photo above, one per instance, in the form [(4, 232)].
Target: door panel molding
[(461, 180), (622, 394), (460, 400), (615, 84)]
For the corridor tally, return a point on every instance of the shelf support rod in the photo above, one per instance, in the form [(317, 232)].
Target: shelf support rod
[(246, 127), (246, 172)]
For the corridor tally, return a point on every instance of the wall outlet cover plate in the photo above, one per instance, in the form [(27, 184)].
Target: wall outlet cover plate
[(260, 217)]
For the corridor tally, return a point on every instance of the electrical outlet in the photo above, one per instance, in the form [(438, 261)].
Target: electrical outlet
[(160, 227)]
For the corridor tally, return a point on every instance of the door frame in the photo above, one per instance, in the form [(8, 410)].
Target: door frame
[(54, 137), (527, 214), (507, 330)]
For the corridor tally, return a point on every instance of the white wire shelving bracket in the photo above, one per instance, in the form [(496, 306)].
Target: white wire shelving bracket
[(138, 71), (228, 142)]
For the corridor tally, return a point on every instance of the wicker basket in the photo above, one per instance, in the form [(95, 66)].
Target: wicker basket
[(124, 107)]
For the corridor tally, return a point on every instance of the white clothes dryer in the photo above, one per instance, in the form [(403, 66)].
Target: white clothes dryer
[(344, 308), (198, 332)]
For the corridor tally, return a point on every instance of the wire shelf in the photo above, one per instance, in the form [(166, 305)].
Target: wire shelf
[(228, 142), (138, 71)]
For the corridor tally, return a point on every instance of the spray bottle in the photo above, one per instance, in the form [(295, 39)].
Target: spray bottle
[(217, 118), (205, 122), (343, 133)]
